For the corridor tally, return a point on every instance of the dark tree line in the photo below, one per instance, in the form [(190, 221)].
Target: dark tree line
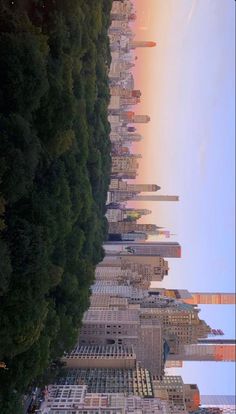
[(54, 175)]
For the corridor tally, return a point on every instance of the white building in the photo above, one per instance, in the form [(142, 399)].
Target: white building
[(74, 399)]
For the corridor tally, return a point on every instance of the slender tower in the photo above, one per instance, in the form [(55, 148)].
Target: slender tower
[(213, 351), (209, 298), (151, 197), (141, 43), (162, 249), (198, 298)]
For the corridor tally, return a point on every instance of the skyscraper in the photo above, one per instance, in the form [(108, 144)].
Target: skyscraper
[(124, 93), (152, 268), (139, 197), (130, 236), (141, 43), (106, 287), (124, 164), (130, 226), (180, 322), (204, 298), (206, 352), (137, 271), (181, 396), (129, 381), (211, 298), (127, 328), (120, 185), (136, 212), (162, 249)]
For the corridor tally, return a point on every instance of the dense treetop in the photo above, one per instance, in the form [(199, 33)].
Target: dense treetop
[(54, 176)]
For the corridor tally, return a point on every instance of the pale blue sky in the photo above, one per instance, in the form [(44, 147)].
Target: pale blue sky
[(189, 150)]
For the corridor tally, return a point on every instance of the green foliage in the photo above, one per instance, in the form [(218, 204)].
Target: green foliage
[(20, 152), (23, 68), (5, 267), (54, 176), (12, 403), (2, 211)]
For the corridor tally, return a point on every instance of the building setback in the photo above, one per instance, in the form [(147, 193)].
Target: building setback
[(95, 356)]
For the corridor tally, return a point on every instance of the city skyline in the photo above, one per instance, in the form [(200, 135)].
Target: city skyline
[(130, 314), (117, 213), (193, 63)]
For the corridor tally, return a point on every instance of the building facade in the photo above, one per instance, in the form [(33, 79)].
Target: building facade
[(206, 352), (74, 399), (95, 356), (141, 197), (130, 226), (129, 381), (161, 249), (128, 328), (212, 298)]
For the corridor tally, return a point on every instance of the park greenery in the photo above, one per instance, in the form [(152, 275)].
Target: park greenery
[(54, 175)]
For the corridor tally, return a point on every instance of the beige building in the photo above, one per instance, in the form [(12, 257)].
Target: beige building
[(180, 323), (116, 68), (180, 396), (119, 7), (127, 328), (124, 93), (103, 301), (114, 103), (96, 356), (138, 271), (128, 226), (123, 276), (118, 26), (180, 326), (124, 164), (152, 268), (117, 184), (114, 215)]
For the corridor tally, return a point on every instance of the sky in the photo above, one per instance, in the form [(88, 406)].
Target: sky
[(187, 83)]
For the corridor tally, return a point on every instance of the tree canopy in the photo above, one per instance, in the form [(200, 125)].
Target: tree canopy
[(54, 176)]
